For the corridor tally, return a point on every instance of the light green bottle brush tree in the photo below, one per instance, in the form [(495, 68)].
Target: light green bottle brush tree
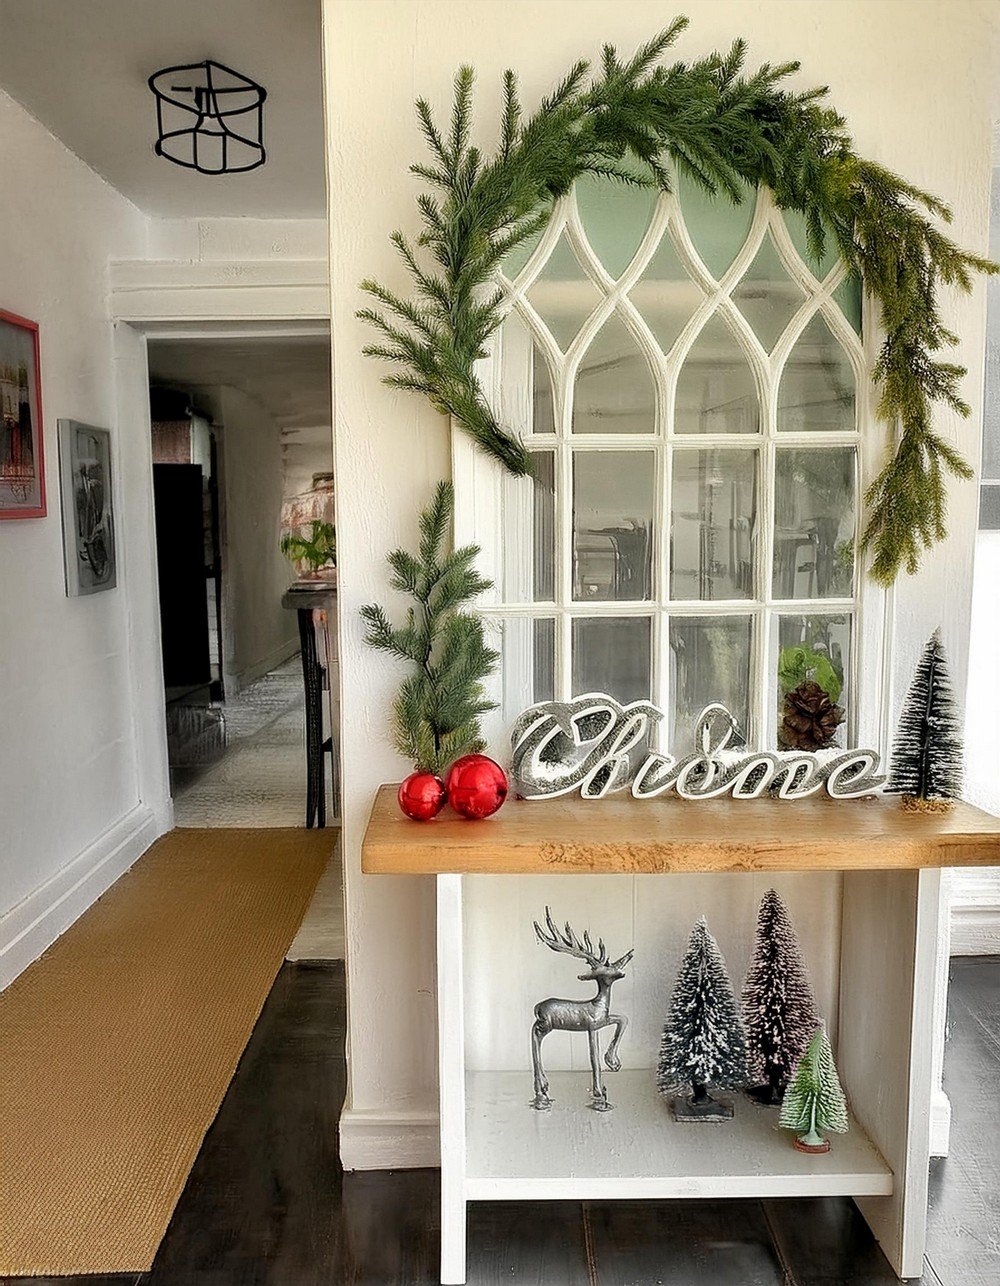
[(814, 1100), (436, 712), (725, 128)]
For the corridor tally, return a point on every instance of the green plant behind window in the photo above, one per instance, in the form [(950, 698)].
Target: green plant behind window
[(316, 547)]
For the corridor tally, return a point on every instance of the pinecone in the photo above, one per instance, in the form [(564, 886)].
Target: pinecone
[(809, 718)]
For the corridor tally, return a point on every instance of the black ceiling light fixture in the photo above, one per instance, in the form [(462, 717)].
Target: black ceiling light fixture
[(209, 118)]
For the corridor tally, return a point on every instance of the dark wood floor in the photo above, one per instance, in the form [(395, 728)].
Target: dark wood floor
[(267, 1204)]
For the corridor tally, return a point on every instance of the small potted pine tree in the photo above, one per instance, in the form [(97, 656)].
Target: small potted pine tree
[(814, 1100), (779, 1012), (703, 1044)]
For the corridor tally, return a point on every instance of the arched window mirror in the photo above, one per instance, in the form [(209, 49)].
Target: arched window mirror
[(691, 383)]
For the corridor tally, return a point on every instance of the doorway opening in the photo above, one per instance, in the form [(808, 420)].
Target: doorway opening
[(242, 451)]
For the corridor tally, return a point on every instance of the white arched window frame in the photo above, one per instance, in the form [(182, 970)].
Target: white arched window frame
[(496, 511)]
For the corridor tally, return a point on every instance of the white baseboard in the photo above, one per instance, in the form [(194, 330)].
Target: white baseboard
[(975, 929), (31, 927), (265, 665), (377, 1140)]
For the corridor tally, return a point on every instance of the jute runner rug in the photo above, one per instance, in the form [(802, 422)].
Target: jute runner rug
[(116, 1048)]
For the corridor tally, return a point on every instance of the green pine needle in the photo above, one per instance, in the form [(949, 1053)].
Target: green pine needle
[(436, 712), (726, 129)]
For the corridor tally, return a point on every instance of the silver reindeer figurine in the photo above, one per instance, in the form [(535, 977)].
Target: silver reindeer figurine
[(579, 1015)]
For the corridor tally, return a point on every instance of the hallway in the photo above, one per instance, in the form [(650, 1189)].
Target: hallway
[(246, 763)]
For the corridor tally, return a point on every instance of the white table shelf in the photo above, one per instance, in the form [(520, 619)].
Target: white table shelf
[(639, 1150), (876, 942)]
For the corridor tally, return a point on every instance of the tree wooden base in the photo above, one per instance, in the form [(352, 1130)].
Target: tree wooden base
[(686, 1110), (816, 1149), (763, 1096), (914, 804)]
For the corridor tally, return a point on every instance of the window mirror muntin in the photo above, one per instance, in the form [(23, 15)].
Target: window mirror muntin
[(760, 595)]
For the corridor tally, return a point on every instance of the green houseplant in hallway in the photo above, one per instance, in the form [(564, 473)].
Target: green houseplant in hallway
[(315, 546)]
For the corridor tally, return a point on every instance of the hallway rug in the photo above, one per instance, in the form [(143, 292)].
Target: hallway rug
[(117, 1046)]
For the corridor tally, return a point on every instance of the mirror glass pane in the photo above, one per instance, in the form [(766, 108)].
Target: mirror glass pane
[(709, 661), (665, 295), (612, 524), (544, 640), (796, 225), (543, 395), (563, 295), (817, 384), (713, 520), (848, 296), (766, 296), (814, 522), (529, 507), (614, 390), (611, 654), (716, 389), (812, 691), (615, 216), (717, 227)]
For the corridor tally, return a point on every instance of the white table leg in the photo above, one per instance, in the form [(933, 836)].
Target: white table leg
[(891, 923), (451, 1072)]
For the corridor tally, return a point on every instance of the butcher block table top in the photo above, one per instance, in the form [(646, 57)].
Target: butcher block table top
[(626, 835)]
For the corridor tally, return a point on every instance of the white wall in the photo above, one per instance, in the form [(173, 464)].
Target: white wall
[(258, 633), (70, 805), (917, 86), (975, 917)]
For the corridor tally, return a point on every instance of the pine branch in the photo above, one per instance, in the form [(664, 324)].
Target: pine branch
[(437, 709), (727, 129)]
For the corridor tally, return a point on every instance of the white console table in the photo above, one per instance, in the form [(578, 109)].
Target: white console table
[(494, 1147)]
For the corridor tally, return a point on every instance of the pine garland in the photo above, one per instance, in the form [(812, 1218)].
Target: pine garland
[(436, 713), (723, 128)]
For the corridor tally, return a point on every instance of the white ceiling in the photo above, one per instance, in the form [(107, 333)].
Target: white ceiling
[(289, 376), (81, 66)]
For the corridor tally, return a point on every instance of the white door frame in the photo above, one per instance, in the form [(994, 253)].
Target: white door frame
[(160, 300)]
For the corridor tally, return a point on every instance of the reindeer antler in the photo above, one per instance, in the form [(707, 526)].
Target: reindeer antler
[(569, 943)]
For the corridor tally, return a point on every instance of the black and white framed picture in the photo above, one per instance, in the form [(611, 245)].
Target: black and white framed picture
[(87, 508)]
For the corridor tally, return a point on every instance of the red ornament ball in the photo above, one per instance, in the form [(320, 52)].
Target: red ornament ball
[(460, 763), (422, 796), (476, 786)]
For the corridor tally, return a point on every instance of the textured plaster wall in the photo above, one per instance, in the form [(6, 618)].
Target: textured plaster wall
[(917, 83)]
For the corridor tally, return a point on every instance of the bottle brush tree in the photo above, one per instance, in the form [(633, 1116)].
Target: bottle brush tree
[(703, 1043), (779, 1012), (927, 752), (814, 1100), (436, 713)]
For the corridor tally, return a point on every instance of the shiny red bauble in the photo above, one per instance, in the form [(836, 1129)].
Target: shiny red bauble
[(460, 763), (476, 786), (422, 796)]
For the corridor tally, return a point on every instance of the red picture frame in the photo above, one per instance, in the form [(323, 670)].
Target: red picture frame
[(22, 426)]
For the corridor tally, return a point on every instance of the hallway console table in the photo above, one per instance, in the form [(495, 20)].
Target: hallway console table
[(495, 1148)]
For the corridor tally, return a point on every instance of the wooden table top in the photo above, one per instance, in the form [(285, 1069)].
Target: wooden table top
[(622, 834)]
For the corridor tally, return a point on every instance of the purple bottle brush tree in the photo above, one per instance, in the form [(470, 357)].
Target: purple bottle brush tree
[(779, 1012)]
